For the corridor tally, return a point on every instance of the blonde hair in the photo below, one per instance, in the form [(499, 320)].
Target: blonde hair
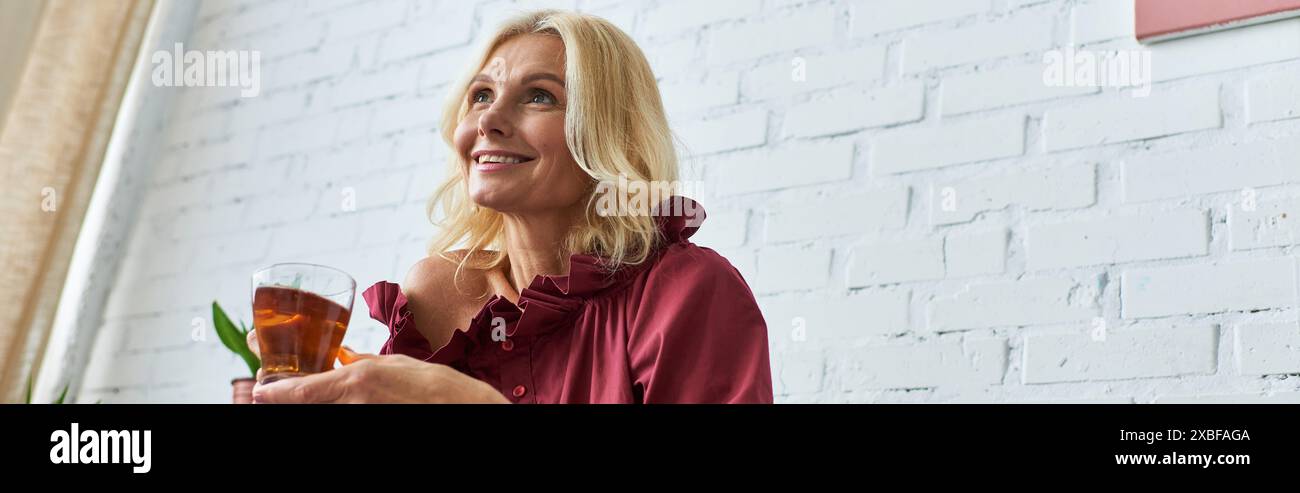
[(614, 126)]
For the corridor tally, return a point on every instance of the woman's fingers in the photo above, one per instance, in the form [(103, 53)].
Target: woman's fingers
[(316, 388), (252, 343), (347, 356)]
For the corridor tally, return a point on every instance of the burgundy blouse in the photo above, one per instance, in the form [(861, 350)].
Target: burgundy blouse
[(682, 327)]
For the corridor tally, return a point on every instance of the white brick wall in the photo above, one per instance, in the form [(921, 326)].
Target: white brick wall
[(921, 218), (922, 147), (1169, 351), (1122, 118), (1117, 239), (1024, 33), (1273, 97), (1236, 285)]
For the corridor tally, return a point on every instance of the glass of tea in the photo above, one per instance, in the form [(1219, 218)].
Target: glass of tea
[(300, 313)]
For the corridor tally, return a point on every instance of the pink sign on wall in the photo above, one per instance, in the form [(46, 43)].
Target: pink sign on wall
[(1159, 20)]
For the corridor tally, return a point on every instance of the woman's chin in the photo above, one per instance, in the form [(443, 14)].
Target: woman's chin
[(491, 199)]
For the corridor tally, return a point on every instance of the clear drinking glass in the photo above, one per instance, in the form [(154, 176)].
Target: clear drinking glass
[(300, 313)]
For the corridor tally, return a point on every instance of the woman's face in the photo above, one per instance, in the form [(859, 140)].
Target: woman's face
[(512, 139)]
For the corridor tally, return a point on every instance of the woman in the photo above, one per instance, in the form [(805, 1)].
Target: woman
[(556, 299)]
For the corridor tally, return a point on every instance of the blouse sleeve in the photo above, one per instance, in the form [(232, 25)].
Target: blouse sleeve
[(388, 306), (698, 335)]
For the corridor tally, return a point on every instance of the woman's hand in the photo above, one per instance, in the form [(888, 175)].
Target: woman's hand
[(381, 379)]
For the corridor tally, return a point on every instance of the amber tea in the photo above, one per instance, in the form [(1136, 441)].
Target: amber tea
[(300, 313)]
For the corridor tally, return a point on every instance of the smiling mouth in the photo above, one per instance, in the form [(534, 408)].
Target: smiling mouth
[(502, 160), (497, 160), (486, 166), (499, 156)]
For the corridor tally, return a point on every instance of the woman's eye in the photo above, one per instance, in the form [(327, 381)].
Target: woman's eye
[(482, 96), (542, 97)]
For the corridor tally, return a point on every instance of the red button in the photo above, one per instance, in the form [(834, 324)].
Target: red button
[(507, 344), (520, 390)]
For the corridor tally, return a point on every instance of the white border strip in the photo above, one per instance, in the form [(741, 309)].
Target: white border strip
[(1276, 16)]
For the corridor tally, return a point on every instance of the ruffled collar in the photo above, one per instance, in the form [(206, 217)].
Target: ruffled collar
[(548, 303)]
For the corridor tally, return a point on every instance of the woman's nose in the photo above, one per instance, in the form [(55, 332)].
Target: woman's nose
[(495, 120)]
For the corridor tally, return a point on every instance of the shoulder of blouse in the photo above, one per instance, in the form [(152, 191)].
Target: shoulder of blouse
[(682, 264), (388, 306)]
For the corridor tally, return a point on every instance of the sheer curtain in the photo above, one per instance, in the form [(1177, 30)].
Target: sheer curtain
[(52, 141)]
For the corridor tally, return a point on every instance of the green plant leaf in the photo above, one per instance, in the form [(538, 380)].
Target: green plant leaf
[(63, 395), (234, 340), (251, 360), (226, 330)]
